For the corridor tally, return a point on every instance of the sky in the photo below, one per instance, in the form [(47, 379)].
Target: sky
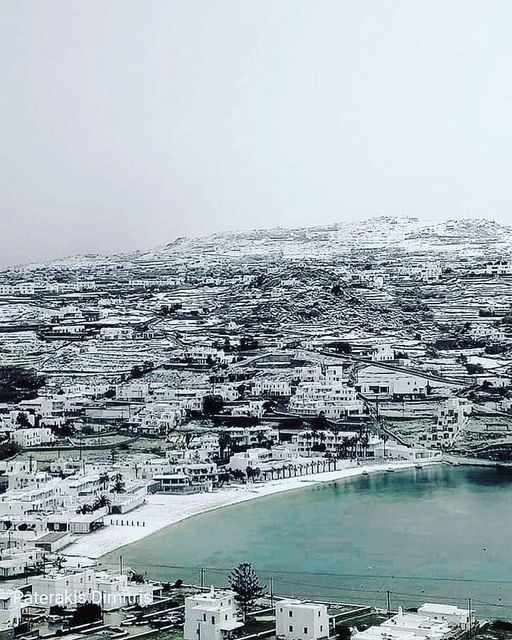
[(127, 123)]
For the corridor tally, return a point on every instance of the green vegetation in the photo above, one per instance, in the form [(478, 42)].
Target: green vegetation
[(246, 585), (8, 449), (17, 384), (212, 405)]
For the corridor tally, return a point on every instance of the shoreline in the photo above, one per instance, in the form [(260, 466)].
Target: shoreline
[(161, 511)]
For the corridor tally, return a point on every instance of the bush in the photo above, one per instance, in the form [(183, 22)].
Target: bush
[(474, 368), (17, 384)]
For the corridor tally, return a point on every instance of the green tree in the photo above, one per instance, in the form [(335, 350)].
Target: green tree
[(212, 405), (22, 420), (246, 585), (225, 443), (136, 372), (118, 483), (17, 384)]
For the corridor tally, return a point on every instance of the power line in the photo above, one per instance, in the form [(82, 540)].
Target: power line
[(327, 574)]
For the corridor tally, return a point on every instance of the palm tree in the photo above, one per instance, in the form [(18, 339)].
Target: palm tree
[(84, 509), (385, 438), (102, 501), (354, 441), (364, 443), (104, 480), (118, 483), (225, 443)]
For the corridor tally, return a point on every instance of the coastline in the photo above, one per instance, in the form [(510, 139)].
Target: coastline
[(161, 511)]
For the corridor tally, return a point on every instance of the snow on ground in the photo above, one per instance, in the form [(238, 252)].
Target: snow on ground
[(164, 510)]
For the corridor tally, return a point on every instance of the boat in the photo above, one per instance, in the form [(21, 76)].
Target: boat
[(365, 473), (418, 466), (390, 470)]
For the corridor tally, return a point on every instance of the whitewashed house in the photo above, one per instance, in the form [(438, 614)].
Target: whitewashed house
[(297, 620), (210, 616)]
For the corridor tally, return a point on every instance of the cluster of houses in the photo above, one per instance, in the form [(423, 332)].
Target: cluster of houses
[(214, 615)]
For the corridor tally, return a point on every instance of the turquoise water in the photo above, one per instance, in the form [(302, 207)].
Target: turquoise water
[(439, 533)]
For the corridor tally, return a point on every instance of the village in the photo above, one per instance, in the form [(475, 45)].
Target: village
[(139, 390)]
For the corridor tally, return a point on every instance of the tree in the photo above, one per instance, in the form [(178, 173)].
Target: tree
[(9, 449), (248, 343), (17, 384), (474, 368), (225, 443), (22, 420), (136, 372), (101, 501), (385, 438), (246, 585), (138, 578), (212, 405), (342, 347), (118, 483)]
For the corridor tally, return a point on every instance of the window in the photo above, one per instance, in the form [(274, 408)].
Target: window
[(305, 629), (290, 614), (290, 629), (204, 617), (213, 619)]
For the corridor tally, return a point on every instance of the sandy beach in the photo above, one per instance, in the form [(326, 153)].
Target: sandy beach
[(161, 511)]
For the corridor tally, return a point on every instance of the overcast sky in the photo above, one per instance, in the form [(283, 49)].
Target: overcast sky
[(128, 123)]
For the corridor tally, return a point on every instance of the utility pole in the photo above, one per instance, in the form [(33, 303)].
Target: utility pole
[(121, 565), (388, 599), (271, 590), (470, 620), (201, 578)]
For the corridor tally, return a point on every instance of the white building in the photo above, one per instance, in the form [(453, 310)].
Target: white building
[(332, 398), (32, 437), (11, 607), (210, 616), (65, 588), (116, 333), (116, 591), (15, 562), (486, 331), (188, 477), (383, 353), (499, 268), (272, 387), (297, 620), (452, 417), (430, 271), (428, 624), (70, 588), (252, 458), (461, 618), (310, 443), (133, 391)]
